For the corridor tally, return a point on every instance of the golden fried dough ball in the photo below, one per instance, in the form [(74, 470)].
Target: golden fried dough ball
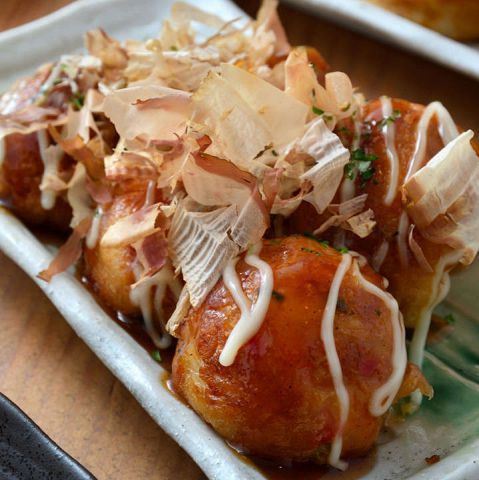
[(414, 285), (26, 103), (21, 166), (20, 178), (277, 399), (110, 269)]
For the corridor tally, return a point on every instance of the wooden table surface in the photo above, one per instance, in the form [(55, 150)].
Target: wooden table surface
[(51, 374)]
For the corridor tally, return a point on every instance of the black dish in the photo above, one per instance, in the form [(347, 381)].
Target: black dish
[(26, 452)]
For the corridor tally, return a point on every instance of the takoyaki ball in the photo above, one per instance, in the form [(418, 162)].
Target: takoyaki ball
[(22, 167), (388, 248), (315, 58), (110, 269), (416, 286), (20, 179), (277, 399)]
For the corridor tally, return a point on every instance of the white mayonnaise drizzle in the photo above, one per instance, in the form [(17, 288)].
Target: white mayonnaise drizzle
[(252, 316), (140, 295), (383, 397), (3, 150), (440, 288), (54, 75), (327, 336), (94, 232), (357, 130), (380, 255), (50, 168), (389, 134)]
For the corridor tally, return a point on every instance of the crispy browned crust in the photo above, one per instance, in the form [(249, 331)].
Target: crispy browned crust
[(22, 168), (277, 399), (20, 179), (411, 285), (109, 269)]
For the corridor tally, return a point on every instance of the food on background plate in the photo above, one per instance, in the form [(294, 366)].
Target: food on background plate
[(458, 19), (240, 200)]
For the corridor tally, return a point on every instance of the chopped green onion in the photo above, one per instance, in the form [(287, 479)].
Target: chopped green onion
[(312, 236), (450, 319), (77, 101), (360, 163), (155, 354), (390, 119), (309, 250)]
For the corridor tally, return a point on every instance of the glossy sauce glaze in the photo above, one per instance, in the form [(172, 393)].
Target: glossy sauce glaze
[(135, 327), (282, 380), (357, 468), (22, 173), (383, 397), (420, 132)]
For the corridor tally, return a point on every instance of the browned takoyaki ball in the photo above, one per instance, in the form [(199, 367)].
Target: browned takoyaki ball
[(27, 103), (277, 399), (110, 269), (22, 167), (411, 284), (20, 178)]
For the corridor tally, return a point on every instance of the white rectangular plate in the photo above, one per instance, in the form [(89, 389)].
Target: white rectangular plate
[(440, 427), (389, 27)]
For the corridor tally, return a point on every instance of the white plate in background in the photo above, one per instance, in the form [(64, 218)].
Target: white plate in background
[(388, 27), (439, 428)]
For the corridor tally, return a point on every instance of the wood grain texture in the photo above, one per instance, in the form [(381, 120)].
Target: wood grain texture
[(53, 376), (16, 12), (50, 373)]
